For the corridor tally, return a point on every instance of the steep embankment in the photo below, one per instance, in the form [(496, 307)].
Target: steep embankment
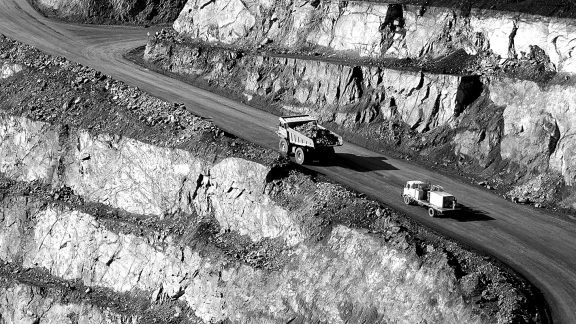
[(376, 72), (111, 11), (115, 200)]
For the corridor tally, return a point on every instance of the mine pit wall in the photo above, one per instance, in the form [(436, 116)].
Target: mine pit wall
[(349, 276), (73, 245), (534, 133), (141, 178), (348, 95), (376, 30), (538, 132)]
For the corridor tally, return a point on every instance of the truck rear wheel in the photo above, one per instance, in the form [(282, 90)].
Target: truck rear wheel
[(300, 156), (407, 200), (283, 146), (431, 212)]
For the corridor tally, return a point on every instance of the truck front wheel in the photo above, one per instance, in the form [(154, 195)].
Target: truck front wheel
[(431, 212), (283, 146), (300, 156), (407, 200)]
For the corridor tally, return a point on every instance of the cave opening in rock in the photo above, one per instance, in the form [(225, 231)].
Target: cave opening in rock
[(469, 89), (394, 17)]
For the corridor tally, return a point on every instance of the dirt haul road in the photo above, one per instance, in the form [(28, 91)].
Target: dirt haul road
[(539, 246)]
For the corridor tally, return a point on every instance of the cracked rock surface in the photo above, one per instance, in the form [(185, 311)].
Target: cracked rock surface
[(111, 11), (377, 30)]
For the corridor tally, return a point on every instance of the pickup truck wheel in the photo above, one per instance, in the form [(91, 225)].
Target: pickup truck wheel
[(431, 212), (407, 200), (283, 146), (299, 155)]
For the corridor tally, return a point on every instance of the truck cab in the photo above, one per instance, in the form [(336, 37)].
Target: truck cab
[(416, 190)]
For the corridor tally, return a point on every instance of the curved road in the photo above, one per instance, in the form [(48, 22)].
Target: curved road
[(539, 246)]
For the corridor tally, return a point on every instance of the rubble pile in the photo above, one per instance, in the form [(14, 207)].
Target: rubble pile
[(321, 136)]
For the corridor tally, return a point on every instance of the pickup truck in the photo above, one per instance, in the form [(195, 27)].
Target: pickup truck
[(433, 197)]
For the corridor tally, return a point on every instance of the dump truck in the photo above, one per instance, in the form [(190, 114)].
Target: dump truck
[(433, 197), (302, 137)]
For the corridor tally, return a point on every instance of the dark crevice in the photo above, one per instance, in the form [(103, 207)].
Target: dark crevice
[(395, 13), (554, 138), (469, 89)]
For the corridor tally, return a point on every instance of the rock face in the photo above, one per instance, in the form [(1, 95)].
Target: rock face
[(30, 153), (144, 179), (25, 304), (344, 94), (538, 125), (376, 30), (112, 11), (361, 276), (72, 245)]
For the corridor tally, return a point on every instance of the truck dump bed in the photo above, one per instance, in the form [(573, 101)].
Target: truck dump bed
[(304, 130)]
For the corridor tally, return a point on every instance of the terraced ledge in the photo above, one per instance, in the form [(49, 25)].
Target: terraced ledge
[(378, 30), (32, 295)]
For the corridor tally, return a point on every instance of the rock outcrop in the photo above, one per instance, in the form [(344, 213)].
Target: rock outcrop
[(347, 95), (112, 11), (377, 30), (21, 303), (9, 70), (372, 278)]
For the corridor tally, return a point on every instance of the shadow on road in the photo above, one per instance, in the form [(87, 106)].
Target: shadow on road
[(469, 214), (357, 163)]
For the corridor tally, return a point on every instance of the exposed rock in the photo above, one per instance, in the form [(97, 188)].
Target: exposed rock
[(364, 277), (108, 169), (236, 195), (29, 149), (376, 30), (538, 125), (21, 303), (144, 179), (8, 70), (112, 11), (344, 94)]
